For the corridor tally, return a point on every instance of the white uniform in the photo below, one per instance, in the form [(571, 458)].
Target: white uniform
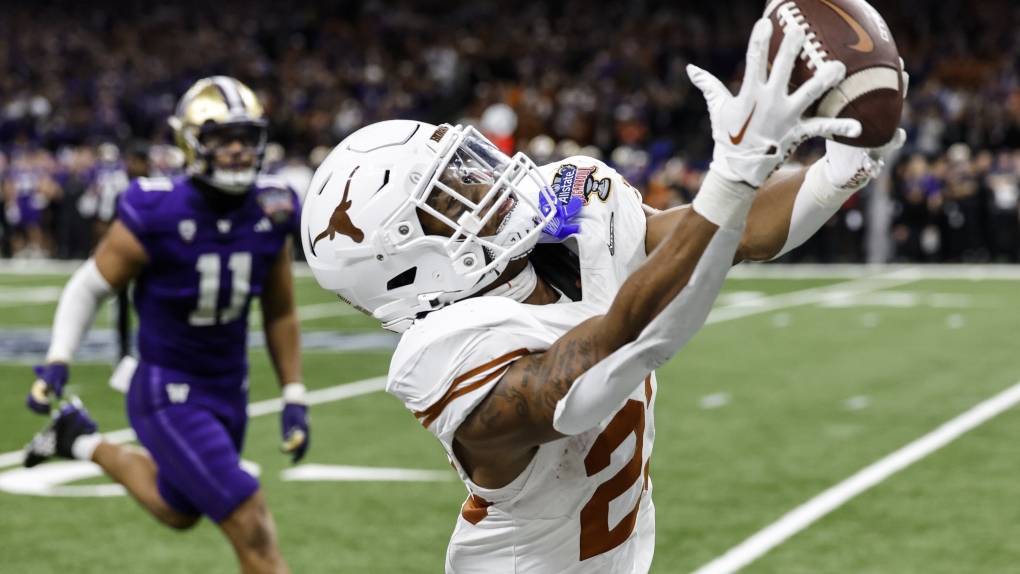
[(583, 505)]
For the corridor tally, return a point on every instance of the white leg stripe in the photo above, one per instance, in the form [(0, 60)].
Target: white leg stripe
[(856, 86), (230, 91)]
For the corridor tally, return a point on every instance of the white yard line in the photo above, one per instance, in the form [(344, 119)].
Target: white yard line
[(855, 271), (329, 394), (827, 294), (806, 514), (337, 473)]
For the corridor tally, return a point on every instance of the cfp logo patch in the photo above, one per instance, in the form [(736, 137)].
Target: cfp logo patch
[(572, 181), (187, 228), (178, 392), (277, 204)]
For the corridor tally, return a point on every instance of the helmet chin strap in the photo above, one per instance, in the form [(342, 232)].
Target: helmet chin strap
[(232, 182), (518, 288)]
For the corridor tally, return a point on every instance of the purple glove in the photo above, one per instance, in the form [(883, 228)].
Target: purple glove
[(295, 428), (559, 226), (51, 379)]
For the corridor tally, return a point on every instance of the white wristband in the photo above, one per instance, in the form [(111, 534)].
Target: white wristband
[(723, 202), (294, 393)]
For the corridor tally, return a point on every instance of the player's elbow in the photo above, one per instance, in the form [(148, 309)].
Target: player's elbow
[(757, 249)]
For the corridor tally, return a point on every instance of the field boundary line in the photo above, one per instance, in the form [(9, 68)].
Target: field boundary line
[(256, 409), (811, 511)]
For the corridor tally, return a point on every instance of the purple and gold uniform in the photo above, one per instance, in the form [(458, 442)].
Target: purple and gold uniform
[(29, 200), (188, 397)]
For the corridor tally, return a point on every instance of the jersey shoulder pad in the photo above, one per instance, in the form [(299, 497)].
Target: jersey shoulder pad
[(145, 200), (447, 362)]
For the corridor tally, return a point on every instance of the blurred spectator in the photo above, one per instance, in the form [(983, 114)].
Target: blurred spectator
[(553, 79)]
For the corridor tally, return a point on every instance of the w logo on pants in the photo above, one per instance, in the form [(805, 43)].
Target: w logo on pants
[(178, 392)]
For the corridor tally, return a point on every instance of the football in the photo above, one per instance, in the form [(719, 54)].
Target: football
[(852, 32)]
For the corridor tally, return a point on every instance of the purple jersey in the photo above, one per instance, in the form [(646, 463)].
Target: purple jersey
[(30, 200), (204, 268)]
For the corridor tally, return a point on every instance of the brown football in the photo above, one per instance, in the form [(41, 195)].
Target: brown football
[(852, 32)]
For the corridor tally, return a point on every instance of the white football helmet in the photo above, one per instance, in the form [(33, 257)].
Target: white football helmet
[(360, 221)]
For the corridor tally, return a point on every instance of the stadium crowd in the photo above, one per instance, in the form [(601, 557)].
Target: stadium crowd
[(85, 89)]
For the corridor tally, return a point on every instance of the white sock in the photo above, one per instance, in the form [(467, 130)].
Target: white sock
[(85, 445)]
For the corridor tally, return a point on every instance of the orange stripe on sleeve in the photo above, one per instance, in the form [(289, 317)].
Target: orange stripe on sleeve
[(432, 413)]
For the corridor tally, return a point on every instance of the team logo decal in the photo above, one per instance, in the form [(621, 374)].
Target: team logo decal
[(263, 225), (177, 392), (187, 228), (341, 223), (572, 181), (277, 204)]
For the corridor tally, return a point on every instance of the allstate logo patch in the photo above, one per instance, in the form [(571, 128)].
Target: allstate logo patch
[(573, 181)]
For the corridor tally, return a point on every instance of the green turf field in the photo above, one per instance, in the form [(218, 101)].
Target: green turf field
[(794, 386)]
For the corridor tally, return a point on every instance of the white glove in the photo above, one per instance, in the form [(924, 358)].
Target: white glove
[(757, 130)]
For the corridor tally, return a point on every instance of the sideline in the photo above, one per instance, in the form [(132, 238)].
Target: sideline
[(806, 514)]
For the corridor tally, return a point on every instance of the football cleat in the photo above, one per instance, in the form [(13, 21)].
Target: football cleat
[(69, 422)]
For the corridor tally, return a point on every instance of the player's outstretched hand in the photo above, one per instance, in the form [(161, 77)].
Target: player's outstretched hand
[(756, 130), (295, 429), (50, 379)]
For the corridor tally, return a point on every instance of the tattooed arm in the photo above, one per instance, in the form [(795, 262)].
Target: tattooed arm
[(499, 438), (768, 223)]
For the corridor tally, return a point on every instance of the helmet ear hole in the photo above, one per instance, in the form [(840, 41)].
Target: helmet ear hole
[(402, 280)]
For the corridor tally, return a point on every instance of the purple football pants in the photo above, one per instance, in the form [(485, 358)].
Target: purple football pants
[(194, 429)]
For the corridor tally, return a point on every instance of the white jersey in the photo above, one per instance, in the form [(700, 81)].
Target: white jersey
[(584, 502)]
